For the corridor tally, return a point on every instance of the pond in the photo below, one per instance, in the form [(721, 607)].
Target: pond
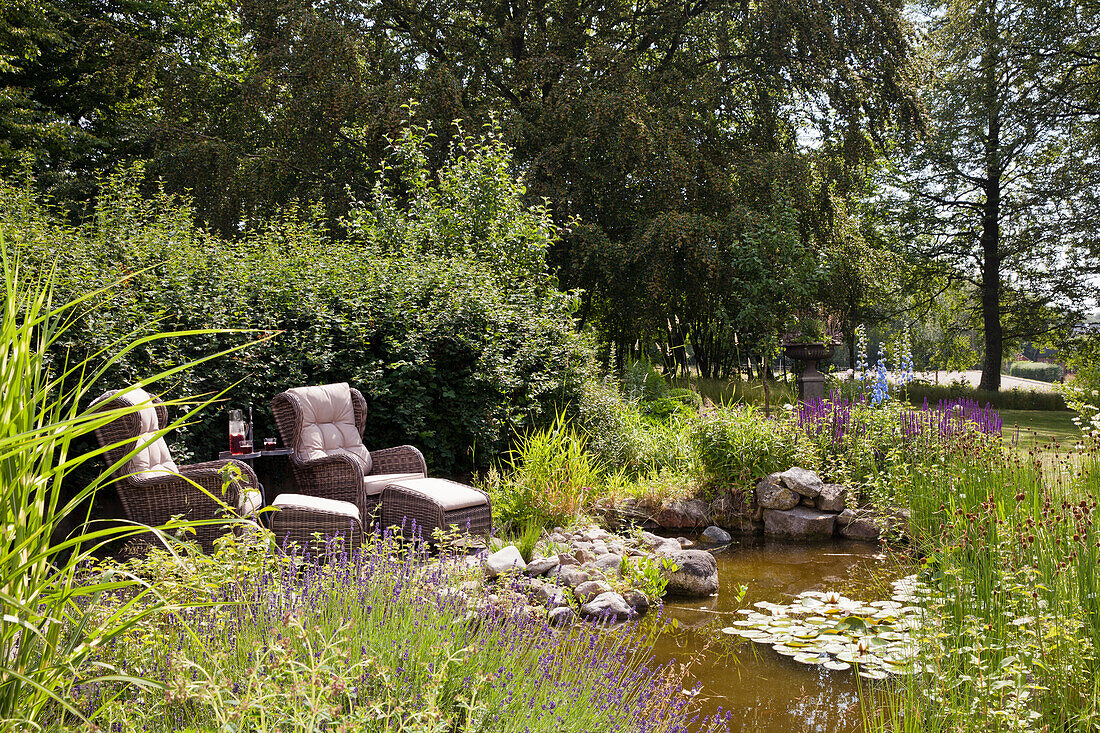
[(768, 692)]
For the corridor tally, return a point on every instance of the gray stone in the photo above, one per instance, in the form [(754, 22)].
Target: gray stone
[(858, 524), (584, 556), (696, 574), (541, 566), (585, 592), (608, 606), (562, 616), (772, 494), (573, 577), (799, 523), (678, 514), (503, 560), (599, 547), (808, 501), (638, 602), (833, 498), (552, 596), (609, 563), (801, 480), (564, 559), (716, 535), (660, 545)]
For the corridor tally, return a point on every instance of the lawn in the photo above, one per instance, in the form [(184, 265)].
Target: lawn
[(1040, 427)]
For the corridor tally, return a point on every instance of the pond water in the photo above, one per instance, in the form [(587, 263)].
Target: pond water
[(768, 692)]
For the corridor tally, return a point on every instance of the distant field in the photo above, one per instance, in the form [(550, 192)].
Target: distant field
[(1039, 428)]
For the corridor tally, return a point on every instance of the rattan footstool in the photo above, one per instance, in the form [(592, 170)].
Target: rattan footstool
[(301, 518), (420, 506)]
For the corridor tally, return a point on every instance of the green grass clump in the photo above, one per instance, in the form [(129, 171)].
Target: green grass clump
[(1007, 399)]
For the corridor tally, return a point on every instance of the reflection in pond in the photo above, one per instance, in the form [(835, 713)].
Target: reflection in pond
[(766, 691)]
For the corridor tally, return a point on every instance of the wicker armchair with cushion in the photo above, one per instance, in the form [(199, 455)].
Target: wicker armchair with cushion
[(324, 426), (153, 489)]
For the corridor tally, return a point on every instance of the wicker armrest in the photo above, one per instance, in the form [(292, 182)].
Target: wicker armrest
[(401, 459), (208, 476), (247, 472), (331, 477)]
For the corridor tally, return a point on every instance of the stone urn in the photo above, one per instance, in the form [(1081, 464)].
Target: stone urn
[(810, 381)]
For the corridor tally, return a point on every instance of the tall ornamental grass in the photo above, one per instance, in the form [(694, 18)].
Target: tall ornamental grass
[(1012, 639), (373, 641), (49, 627)]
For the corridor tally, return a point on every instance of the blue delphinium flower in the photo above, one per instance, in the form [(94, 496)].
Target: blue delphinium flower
[(881, 390)]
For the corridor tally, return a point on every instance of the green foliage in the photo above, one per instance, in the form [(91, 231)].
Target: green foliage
[(737, 445), (1008, 399), (649, 574), (51, 624), (451, 352), (1037, 370)]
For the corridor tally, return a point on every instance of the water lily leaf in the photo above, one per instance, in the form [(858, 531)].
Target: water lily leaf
[(837, 666)]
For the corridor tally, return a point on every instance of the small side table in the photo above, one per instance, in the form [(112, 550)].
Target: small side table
[(272, 467)]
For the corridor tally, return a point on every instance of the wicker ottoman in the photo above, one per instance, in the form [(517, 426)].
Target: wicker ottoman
[(300, 518), (422, 505)]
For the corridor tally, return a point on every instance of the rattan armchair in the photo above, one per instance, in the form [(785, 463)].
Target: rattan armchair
[(152, 488), (324, 426)]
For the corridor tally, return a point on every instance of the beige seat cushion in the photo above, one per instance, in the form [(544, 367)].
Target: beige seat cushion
[(249, 503), (374, 484), (154, 459), (306, 503), (447, 494), (328, 424)]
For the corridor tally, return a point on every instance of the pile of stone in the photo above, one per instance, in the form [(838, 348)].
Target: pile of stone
[(796, 504), (584, 576)]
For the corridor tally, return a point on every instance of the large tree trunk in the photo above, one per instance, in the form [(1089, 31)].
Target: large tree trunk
[(991, 215)]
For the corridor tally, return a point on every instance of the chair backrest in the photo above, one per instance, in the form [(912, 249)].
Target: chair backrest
[(324, 420), (135, 428)]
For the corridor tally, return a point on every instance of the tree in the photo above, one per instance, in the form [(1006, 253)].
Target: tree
[(993, 194)]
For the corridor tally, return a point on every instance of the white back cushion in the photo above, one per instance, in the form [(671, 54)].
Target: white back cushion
[(154, 459), (328, 424)]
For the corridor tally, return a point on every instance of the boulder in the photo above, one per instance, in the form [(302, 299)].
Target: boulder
[(562, 616), (638, 602), (772, 494), (599, 547), (679, 514), (552, 596), (608, 606), (658, 544), (572, 576), (696, 574), (833, 498), (716, 535), (802, 481), (541, 566), (858, 524), (584, 556), (799, 523), (503, 560), (609, 563), (585, 592)]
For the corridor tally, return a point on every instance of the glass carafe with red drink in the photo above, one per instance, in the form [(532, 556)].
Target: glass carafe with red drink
[(238, 431)]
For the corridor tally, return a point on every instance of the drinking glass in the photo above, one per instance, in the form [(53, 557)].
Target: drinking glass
[(246, 446), (270, 443)]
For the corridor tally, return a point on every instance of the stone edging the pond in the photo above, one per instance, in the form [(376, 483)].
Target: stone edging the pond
[(793, 505)]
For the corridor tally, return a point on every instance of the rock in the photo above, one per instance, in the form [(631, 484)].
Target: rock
[(658, 544), (585, 592), (638, 602), (678, 514), (616, 547), (696, 574), (858, 524), (807, 501), (567, 560), (470, 586), (541, 566), (608, 606), (503, 560), (833, 498), (799, 523), (802, 481), (716, 535), (552, 596), (562, 616), (584, 556), (772, 494), (609, 563), (599, 547), (572, 576)]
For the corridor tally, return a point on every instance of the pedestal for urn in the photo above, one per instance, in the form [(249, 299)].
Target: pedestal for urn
[(810, 381)]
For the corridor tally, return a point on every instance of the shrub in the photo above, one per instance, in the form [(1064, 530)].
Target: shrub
[(1008, 399), (1038, 370), (737, 444), (453, 346)]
